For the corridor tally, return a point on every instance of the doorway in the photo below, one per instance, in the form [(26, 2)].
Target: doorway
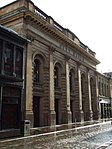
[(71, 109), (57, 110), (10, 113), (36, 111)]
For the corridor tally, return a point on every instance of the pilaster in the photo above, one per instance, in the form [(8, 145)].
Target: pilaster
[(97, 100), (81, 113), (89, 96), (69, 117), (28, 85), (51, 72)]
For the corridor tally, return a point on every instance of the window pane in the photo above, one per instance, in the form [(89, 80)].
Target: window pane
[(70, 79), (8, 58), (55, 77), (37, 71), (1, 46), (18, 62)]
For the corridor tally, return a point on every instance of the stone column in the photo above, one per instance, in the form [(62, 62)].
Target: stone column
[(28, 85), (51, 72), (106, 108), (98, 116), (110, 82), (103, 105), (69, 117), (89, 95), (81, 113)]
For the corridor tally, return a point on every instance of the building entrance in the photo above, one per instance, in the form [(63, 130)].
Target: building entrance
[(10, 114), (36, 111), (57, 110), (11, 108)]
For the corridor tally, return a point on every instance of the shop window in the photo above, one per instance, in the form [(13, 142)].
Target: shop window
[(18, 62), (1, 46), (8, 58)]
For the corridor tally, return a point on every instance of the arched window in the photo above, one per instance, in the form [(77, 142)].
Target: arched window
[(99, 88), (107, 90), (37, 70), (8, 58), (82, 84), (71, 79), (18, 62), (92, 86), (102, 89), (56, 77)]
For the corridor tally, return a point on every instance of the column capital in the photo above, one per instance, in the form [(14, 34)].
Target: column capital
[(78, 64), (52, 49), (88, 70), (67, 58)]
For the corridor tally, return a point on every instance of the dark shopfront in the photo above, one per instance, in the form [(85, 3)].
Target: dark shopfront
[(11, 82), (105, 108)]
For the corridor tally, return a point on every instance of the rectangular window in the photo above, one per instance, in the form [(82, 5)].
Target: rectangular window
[(18, 62), (1, 47), (8, 58)]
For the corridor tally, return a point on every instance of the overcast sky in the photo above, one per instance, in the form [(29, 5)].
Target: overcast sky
[(90, 20)]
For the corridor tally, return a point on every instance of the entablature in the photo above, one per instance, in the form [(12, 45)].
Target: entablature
[(30, 12)]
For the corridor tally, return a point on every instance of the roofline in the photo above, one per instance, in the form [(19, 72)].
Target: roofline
[(6, 30)]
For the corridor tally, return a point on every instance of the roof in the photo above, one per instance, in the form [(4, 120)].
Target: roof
[(11, 31)]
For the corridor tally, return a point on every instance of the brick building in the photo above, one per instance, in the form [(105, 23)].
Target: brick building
[(62, 84), (12, 49)]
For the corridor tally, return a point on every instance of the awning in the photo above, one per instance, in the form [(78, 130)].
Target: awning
[(105, 101)]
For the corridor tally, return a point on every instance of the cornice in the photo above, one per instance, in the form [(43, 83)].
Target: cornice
[(30, 16), (49, 28), (11, 18)]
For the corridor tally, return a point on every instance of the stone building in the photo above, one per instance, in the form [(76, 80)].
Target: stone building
[(12, 49), (105, 94), (62, 84)]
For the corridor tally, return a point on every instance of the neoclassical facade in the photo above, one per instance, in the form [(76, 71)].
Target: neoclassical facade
[(62, 84)]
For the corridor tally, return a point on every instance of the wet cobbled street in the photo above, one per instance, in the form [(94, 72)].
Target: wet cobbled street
[(95, 136), (101, 140)]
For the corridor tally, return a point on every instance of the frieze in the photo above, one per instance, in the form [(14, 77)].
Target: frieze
[(72, 53), (75, 55)]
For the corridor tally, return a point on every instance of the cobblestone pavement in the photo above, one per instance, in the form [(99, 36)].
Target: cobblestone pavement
[(75, 138), (76, 142)]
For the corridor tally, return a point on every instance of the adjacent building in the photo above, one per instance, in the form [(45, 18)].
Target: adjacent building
[(61, 83), (12, 49)]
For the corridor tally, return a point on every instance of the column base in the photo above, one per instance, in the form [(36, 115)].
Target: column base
[(96, 115), (79, 115), (82, 116), (52, 120), (90, 116), (69, 117)]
